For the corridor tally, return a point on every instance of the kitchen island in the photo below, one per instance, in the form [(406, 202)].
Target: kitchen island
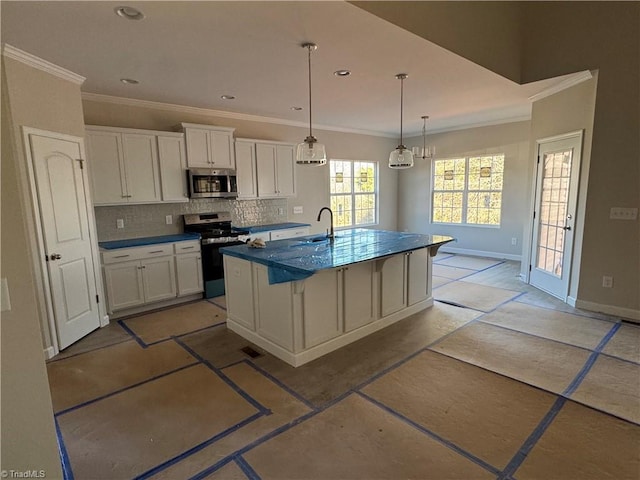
[(304, 297)]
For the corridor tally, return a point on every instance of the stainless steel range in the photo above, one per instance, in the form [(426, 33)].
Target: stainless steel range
[(216, 232)]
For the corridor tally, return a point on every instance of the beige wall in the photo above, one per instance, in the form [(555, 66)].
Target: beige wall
[(568, 111), (28, 432), (312, 182), (487, 33), (414, 187), (603, 36)]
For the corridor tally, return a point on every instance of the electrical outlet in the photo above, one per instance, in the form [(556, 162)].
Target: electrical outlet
[(298, 210), (607, 282), (280, 211), (168, 219), (514, 241), (119, 223), (621, 213)]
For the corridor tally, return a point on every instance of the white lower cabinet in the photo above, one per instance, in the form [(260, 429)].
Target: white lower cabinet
[(189, 273), (414, 271), (140, 277), (302, 320)]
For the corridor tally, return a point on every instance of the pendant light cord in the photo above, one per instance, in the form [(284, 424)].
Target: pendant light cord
[(310, 132), (401, 106)]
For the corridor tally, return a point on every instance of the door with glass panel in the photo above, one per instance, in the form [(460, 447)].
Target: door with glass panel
[(554, 220)]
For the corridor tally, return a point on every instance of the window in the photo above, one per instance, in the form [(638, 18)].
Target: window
[(354, 192), (468, 190)]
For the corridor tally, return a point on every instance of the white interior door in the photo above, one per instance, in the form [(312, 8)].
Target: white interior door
[(555, 213), (60, 187)]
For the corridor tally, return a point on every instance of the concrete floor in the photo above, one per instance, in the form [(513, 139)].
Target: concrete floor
[(497, 380)]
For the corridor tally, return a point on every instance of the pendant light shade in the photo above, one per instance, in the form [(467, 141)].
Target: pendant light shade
[(310, 152), (401, 157)]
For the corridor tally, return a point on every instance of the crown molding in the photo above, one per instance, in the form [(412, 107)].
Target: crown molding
[(574, 79), (14, 53), (132, 102), (465, 126)]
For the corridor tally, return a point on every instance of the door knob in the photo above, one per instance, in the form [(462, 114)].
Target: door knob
[(566, 228), (55, 256)]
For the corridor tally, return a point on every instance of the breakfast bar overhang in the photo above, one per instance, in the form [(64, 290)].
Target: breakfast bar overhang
[(302, 298)]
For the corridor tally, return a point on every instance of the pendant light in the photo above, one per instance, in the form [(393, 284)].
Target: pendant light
[(427, 152), (310, 152), (401, 157)]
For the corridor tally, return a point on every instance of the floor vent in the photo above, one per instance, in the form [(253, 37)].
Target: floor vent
[(454, 304), (251, 352)]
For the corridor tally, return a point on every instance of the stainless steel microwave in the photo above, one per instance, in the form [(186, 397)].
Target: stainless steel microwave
[(206, 183)]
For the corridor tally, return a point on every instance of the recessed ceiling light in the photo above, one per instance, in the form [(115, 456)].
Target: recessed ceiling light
[(129, 13), (129, 81), (342, 73), (227, 97), (296, 108)]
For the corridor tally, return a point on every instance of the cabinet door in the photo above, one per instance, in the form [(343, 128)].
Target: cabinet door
[(285, 171), (158, 278), (222, 154), (274, 309), (321, 310), (392, 282), (358, 295), (246, 169), (106, 167), (266, 168), (173, 164), (418, 276), (141, 167), (124, 285), (198, 148), (189, 273), (238, 281)]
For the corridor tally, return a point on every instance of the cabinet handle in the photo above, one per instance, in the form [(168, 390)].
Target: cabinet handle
[(121, 256), (127, 196), (157, 251), (187, 248)]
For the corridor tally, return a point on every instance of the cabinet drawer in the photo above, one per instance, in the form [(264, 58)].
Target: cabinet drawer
[(190, 246), (136, 253), (289, 233)]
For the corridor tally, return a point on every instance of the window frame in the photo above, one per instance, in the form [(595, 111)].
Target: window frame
[(466, 190), (353, 194)]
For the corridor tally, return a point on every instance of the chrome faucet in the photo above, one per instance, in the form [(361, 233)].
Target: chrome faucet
[(330, 235)]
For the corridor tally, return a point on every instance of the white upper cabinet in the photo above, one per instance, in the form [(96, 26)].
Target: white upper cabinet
[(123, 165), (275, 166), (136, 166), (246, 169), (209, 146), (173, 164)]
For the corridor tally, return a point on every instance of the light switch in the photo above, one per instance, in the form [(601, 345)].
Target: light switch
[(622, 213), (5, 301), (119, 223), (298, 210), (168, 219)]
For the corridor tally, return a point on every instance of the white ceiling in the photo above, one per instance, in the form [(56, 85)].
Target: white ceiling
[(191, 53)]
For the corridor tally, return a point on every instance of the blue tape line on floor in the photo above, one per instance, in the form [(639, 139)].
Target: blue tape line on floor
[(132, 333), (280, 384), (261, 408), (67, 472), (433, 435), (124, 389), (197, 448), (531, 441), (247, 469), (590, 362)]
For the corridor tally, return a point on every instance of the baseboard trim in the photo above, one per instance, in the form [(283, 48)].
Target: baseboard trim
[(49, 353), (626, 313), (481, 253)]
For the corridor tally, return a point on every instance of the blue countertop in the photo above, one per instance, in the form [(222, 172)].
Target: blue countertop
[(138, 242), (298, 258), (273, 226)]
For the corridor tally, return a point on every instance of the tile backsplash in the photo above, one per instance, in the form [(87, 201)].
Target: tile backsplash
[(149, 220)]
